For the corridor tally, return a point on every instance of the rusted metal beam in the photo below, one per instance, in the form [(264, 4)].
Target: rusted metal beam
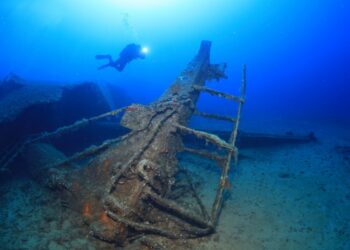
[(214, 139), (218, 93), (206, 154), (216, 117)]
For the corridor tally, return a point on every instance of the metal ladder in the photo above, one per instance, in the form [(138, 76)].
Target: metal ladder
[(229, 146)]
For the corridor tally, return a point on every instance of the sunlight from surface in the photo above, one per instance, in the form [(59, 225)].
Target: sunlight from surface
[(142, 4), (133, 18)]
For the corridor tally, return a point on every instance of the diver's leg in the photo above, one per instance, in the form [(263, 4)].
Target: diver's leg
[(99, 57), (105, 66), (117, 65), (110, 63), (121, 66)]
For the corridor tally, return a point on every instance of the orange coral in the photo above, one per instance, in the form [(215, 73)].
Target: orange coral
[(104, 218), (87, 210), (106, 221)]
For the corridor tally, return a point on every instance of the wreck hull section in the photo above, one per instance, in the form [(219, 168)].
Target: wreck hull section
[(119, 180)]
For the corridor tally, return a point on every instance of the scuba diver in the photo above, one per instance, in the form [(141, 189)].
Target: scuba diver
[(130, 52)]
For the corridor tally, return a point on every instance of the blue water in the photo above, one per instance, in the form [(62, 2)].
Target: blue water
[(297, 52)]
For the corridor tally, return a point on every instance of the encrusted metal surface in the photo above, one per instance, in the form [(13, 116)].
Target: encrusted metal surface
[(123, 192)]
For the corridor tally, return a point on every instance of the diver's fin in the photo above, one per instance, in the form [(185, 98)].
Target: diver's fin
[(104, 66)]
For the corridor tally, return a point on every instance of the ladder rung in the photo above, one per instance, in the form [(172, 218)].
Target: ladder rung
[(214, 139), (210, 156), (217, 117), (218, 93)]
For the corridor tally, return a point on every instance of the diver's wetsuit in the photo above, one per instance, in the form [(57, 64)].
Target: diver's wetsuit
[(129, 53)]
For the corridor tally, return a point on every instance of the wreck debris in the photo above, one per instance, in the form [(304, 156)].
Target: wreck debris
[(264, 139), (8, 158), (28, 108), (18, 95), (124, 190)]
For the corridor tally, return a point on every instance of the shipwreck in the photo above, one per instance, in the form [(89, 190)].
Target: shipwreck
[(122, 187), (125, 189)]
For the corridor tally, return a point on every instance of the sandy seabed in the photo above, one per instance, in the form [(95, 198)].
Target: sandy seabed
[(285, 197)]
